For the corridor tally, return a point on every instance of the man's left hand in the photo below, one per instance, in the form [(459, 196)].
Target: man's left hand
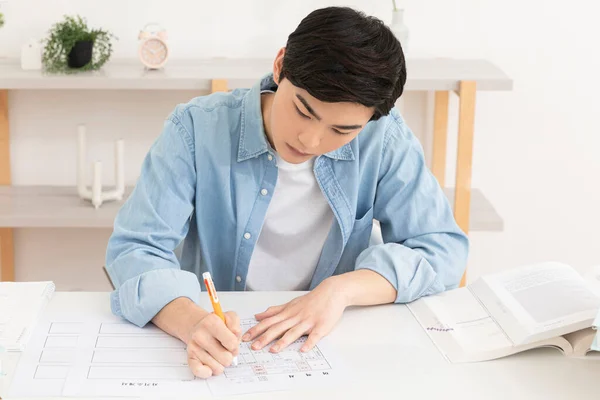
[(314, 314)]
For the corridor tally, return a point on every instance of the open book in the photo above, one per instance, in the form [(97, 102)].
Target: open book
[(547, 304)]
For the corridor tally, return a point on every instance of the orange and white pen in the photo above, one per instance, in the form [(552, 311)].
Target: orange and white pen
[(214, 299)]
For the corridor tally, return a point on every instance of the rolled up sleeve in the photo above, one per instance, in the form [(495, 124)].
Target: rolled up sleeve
[(424, 250), (140, 256)]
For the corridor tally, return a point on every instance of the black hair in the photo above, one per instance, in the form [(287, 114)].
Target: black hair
[(338, 54)]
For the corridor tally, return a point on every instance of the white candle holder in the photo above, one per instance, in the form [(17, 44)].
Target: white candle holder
[(95, 194)]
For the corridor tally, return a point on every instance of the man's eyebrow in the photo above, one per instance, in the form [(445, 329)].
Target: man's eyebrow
[(347, 127), (310, 110), (308, 107)]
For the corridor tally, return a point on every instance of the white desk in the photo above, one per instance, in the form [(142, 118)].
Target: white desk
[(396, 359)]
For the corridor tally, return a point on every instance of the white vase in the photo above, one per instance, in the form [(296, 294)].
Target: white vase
[(399, 28), (31, 55)]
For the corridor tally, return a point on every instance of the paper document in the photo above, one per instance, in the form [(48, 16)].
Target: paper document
[(104, 359), (260, 371), (115, 358), (21, 304)]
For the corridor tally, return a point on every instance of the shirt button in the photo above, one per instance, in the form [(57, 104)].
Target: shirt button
[(247, 235), (264, 192), (270, 157), (238, 278)]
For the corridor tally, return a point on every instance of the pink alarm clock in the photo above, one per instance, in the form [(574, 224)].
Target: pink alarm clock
[(153, 49)]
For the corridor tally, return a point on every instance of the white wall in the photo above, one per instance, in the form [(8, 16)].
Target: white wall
[(535, 147)]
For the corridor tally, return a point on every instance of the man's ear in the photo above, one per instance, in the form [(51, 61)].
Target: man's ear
[(278, 65)]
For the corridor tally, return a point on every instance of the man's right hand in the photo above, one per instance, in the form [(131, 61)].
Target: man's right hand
[(211, 344)]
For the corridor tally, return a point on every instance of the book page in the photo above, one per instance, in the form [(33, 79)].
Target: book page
[(581, 341), (592, 277), (463, 330), (538, 302)]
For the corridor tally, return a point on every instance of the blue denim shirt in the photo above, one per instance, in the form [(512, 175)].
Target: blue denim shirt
[(197, 206)]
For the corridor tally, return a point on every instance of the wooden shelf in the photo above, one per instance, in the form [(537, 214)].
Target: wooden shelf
[(424, 74), (52, 207), (60, 207)]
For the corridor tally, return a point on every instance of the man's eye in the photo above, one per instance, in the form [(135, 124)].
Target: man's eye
[(301, 113), (340, 132)]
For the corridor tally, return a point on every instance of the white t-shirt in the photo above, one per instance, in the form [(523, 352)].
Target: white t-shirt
[(296, 226)]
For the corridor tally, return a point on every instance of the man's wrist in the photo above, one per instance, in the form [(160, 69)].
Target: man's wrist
[(339, 284), (192, 315), (362, 287), (179, 318)]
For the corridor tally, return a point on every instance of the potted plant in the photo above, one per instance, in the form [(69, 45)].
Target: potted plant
[(71, 47)]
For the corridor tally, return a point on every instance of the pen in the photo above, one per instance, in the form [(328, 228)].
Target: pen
[(214, 299)]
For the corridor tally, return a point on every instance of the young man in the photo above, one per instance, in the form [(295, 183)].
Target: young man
[(276, 188)]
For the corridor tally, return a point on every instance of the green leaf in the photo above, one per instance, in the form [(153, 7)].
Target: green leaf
[(63, 35)]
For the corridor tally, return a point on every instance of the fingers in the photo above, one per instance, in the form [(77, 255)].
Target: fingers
[(216, 351), (260, 328), (198, 369), (289, 337), (312, 340), (233, 323), (217, 329), (266, 319), (213, 344), (200, 360), (275, 331), (269, 312)]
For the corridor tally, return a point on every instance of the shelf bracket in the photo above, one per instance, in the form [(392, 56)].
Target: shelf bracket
[(440, 136), (464, 157), (219, 85), (7, 259)]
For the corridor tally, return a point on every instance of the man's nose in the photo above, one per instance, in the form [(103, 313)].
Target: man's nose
[(310, 139)]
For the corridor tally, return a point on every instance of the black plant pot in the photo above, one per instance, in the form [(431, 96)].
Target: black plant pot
[(81, 54)]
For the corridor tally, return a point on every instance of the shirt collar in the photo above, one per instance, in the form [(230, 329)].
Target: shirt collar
[(253, 140)]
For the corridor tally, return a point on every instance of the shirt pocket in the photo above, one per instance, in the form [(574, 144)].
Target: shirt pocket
[(357, 242), (361, 232), (363, 222)]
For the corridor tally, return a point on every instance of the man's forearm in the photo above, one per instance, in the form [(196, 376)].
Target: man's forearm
[(364, 287), (179, 317)]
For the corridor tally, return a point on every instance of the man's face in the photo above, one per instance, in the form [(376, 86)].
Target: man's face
[(302, 127)]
